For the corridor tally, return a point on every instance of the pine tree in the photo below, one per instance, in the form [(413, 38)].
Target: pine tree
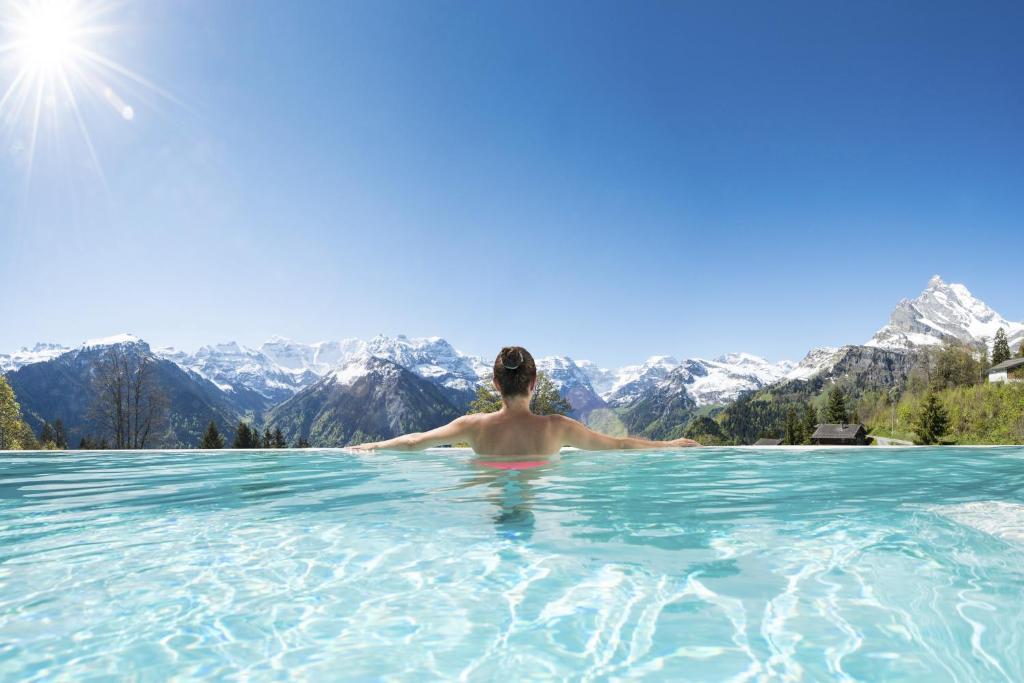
[(810, 422), (932, 420), (61, 437), (212, 440), (835, 411), (302, 442), (1000, 347), (794, 432), (268, 438), (487, 401), (547, 400), (278, 439), (245, 437)]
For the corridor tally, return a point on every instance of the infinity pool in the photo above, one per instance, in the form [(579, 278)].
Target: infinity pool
[(709, 564)]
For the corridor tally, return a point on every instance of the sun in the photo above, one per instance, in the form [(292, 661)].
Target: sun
[(60, 83), (46, 37)]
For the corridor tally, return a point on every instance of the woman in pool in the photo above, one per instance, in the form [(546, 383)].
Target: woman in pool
[(515, 430)]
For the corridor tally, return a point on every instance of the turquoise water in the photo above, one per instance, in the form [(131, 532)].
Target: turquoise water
[(708, 564)]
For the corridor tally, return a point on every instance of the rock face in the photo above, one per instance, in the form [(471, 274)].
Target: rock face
[(858, 369), (367, 399), (62, 387), (943, 312)]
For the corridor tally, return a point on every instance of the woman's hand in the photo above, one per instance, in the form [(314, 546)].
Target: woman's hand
[(371, 446)]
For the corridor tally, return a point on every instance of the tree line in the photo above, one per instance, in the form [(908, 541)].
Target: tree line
[(247, 437)]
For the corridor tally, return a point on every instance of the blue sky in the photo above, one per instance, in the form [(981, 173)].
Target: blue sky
[(604, 180)]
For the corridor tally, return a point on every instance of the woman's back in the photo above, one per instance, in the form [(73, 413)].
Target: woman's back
[(514, 433)]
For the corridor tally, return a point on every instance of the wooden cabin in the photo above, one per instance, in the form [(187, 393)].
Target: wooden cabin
[(840, 435)]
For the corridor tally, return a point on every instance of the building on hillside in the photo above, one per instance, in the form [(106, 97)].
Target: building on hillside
[(840, 435), (1008, 371), (768, 442)]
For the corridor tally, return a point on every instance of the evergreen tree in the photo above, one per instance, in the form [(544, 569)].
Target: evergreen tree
[(932, 420), (302, 442), (278, 439), (268, 439), (487, 401), (15, 434), (245, 437), (60, 437), (794, 432), (835, 411), (810, 422), (1000, 347), (547, 400), (212, 440)]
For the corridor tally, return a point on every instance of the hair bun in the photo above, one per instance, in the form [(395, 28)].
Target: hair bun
[(511, 358)]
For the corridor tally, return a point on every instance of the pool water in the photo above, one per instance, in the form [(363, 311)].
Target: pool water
[(703, 564)]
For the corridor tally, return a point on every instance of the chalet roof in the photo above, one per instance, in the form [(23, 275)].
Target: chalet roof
[(768, 442), (1007, 365), (836, 431)]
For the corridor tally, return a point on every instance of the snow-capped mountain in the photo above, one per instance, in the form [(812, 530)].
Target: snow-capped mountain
[(318, 358), (432, 358), (706, 381), (816, 360), (633, 381), (236, 369), (366, 399), (943, 312), (573, 383), (37, 354)]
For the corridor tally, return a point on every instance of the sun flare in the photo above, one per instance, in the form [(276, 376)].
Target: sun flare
[(61, 82)]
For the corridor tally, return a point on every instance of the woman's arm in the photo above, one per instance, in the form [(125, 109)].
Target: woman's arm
[(580, 436), (453, 432)]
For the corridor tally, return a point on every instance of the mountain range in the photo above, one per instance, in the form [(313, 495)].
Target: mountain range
[(335, 392)]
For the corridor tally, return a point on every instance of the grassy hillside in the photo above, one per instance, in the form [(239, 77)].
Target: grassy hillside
[(978, 414)]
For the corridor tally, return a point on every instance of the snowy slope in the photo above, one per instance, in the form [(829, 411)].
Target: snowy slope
[(235, 368), (573, 383), (943, 312), (37, 354), (706, 381), (817, 360)]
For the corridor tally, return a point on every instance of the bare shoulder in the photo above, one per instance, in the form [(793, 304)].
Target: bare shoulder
[(470, 420), (563, 423)]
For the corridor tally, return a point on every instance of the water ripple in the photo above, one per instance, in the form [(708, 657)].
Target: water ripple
[(725, 564)]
